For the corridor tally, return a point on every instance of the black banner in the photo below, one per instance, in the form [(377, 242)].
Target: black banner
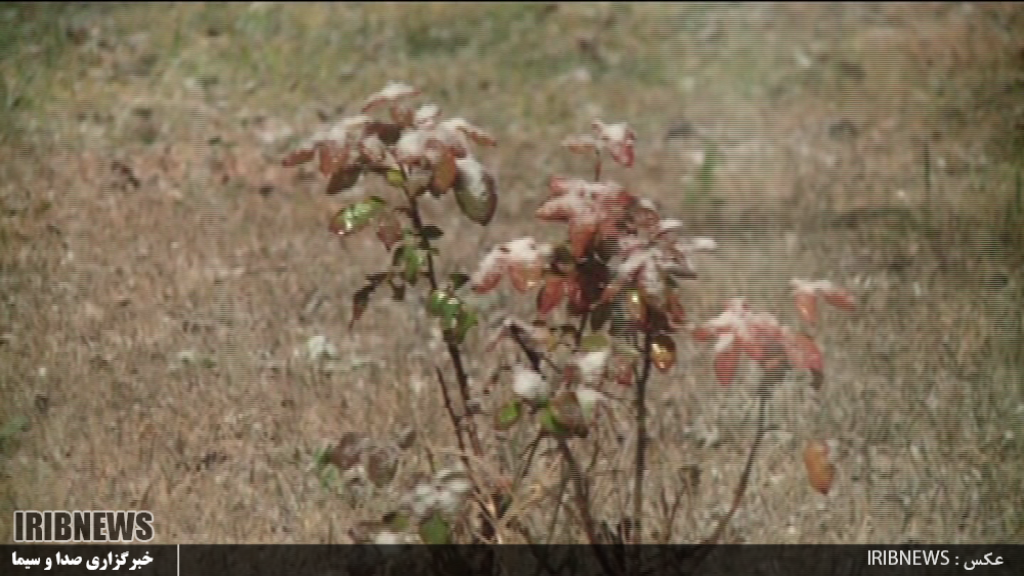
[(368, 560)]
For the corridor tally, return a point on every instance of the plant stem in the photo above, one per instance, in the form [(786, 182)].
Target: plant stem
[(768, 380), (463, 422), (641, 442), (581, 495)]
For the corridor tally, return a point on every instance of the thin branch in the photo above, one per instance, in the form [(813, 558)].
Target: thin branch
[(641, 441), (582, 498), (769, 378)]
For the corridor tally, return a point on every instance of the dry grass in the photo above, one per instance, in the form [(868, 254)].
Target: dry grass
[(145, 215)]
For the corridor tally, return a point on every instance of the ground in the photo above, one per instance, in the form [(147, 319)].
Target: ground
[(162, 272)]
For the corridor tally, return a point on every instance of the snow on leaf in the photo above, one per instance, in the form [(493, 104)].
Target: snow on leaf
[(411, 146), (345, 130), (584, 205), (475, 190), (618, 139), (840, 298), (806, 293), (426, 116), (592, 364), (669, 225), (461, 125), (520, 254), (390, 94), (588, 399), (529, 385)]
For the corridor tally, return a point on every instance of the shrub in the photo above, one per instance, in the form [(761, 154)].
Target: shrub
[(608, 310)]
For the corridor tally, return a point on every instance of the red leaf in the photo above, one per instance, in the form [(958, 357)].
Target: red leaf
[(298, 157), (551, 295), (580, 235), (840, 298), (675, 311), (487, 281), (330, 156), (524, 276), (804, 353), (725, 364), (703, 334), (577, 302), (389, 229), (807, 306), (523, 258)]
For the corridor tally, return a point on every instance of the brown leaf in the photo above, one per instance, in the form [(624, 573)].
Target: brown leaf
[(389, 229), (344, 178), (445, 173), (381, 465), (820, 471), (568, 414), (349, 450)]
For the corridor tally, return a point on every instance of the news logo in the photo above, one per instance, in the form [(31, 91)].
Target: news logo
[(83, 526)]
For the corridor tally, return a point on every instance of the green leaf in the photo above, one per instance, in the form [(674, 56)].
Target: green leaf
[(594, 342), (507, 415), (396, 521), (465, 320), (414, 261), (395, 178), (321, 458), (548, 421), (434, 530), (436, 301), (361, 299), (357, 216), (458, 280), (475, 192), (450, 309), (12, 428)]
